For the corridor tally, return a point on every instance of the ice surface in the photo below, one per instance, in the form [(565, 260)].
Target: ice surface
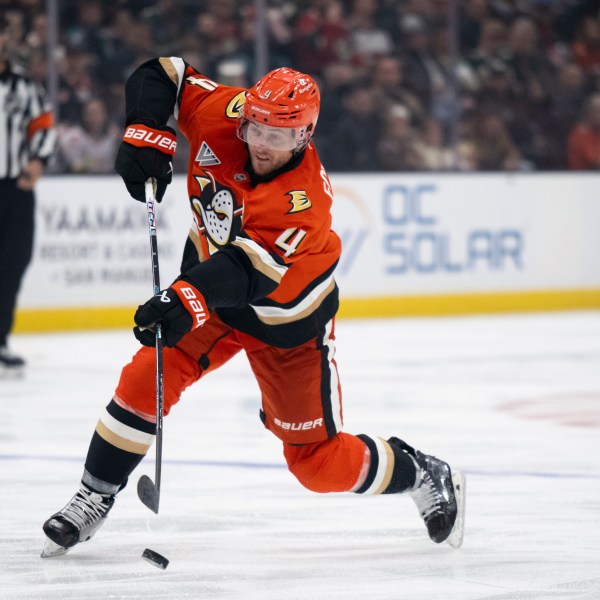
[(512, 400)]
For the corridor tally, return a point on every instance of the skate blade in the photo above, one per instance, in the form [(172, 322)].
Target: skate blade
[(51, 549), (12, 372), (455, 539)]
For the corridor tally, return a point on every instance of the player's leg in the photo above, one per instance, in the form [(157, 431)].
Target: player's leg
[(125, 430), (302, 406), (16, 244), (380, 466)]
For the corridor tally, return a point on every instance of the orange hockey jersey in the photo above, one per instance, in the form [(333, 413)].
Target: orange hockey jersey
[(271, 237)]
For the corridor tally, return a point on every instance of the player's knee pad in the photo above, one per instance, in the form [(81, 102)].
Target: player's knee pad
[(330, 466)]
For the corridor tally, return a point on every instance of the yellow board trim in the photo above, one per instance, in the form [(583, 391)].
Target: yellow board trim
[(463, 304), (113, 317), (76, 318)]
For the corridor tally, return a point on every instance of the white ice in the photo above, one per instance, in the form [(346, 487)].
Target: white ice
[(514, 401)]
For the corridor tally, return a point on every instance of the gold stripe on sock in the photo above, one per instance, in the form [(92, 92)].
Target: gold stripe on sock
[(120, 442), (389, 469)]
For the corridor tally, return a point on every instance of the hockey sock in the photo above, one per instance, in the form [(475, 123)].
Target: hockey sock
[(391, 469), (119, 443)]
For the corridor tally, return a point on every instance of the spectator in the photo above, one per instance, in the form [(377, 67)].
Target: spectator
[(491, 51), (471, 21), (320, 36), (533, 75), (532, 70), (90, 147), (77, 82), (568, 99), (543, 14), (16, 50), (390, 89), (408, 13), (586, 47), (167, 20), (368, 38), (37, 38), (457, 85), (435, 155), (398, 149), (87, 34), (584, 141), (352, 145), (119, 54), (494, 150), (220, 27), (424, 75), (465, 149), (337, 80)]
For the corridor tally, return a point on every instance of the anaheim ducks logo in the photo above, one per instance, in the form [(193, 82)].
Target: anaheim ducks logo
[(299, 201), (235, 105), (217, 212)]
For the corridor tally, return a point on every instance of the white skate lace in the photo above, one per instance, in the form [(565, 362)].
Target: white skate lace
[(84, 509), (427, 498)]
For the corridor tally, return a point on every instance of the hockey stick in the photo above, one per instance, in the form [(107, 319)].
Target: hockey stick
[(148, 491)]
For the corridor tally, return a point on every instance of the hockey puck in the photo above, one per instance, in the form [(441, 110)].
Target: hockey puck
[(154, 558)]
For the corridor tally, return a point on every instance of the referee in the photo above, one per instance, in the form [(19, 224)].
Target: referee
[(27, 139)]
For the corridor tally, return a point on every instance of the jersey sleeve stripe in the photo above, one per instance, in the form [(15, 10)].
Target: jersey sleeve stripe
[(275, 315), (261, 260), (195, 238), (174, 67)]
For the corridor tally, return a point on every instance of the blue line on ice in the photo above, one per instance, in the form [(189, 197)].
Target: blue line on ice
[(257, 465)]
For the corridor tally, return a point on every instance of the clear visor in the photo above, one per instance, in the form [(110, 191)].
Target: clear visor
[(274, 138)]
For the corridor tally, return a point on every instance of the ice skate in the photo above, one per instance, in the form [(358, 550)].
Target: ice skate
[(11, 365), (77, 522), (439, 494)]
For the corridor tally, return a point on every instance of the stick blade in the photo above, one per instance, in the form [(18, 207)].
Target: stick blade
[(148, 493)]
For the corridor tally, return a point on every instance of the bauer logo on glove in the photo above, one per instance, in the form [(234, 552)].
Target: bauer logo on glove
[(180, 309), (146, 152), (142, 136)]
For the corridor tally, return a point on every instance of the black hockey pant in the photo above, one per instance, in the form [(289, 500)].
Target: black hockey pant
[(16, 246)]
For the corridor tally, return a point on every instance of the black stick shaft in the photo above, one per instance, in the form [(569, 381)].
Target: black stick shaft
[(151, 206)]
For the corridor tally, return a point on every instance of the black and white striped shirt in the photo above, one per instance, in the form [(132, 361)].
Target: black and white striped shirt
[(26, 125)]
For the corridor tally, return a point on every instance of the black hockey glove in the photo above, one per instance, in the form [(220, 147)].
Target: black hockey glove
[(146, 152), (180, 309)]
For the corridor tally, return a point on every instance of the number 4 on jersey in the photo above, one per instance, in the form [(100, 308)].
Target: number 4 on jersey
[(289, 240)]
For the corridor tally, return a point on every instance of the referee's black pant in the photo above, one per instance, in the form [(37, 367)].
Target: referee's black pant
[(16, 247)]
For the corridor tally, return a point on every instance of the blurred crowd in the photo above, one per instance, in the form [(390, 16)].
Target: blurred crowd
[(515, 88)]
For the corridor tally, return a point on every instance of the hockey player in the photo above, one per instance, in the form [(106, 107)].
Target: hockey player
[(257, 276)]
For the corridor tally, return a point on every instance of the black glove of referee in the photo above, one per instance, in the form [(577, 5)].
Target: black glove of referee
[(146, 152)]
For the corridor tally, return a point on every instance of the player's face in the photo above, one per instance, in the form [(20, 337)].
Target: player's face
[(274, 138), (268, 147), (265, 160)]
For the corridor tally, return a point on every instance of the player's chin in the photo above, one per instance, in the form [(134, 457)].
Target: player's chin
[(262, 166)]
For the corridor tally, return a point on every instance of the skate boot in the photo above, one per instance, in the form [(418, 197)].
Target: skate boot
[(77, 521), (10, 363), (439, 493)]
